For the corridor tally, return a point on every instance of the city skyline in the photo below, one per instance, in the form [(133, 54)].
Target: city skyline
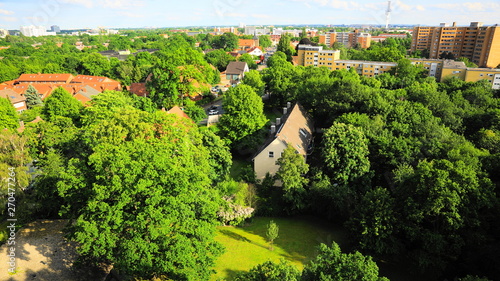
[(73, 14)]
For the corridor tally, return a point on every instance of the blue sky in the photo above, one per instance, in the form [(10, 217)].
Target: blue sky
[(69, 14)]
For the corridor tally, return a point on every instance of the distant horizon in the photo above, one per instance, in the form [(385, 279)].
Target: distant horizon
[(135, 14)]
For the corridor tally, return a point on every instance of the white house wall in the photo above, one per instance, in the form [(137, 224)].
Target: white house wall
[(264, 164)]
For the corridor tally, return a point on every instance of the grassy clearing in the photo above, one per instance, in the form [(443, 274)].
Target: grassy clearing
[(247, 246)]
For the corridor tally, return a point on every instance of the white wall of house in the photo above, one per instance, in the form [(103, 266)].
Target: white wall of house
[(263, 163)]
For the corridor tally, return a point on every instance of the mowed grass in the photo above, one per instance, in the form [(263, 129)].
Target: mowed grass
[(297, 243)]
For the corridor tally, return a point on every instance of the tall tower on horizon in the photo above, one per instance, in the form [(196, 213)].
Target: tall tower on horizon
[(388, 15)]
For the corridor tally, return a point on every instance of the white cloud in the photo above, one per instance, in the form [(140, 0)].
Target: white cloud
[(8, 19), (85, 3), (122, 4), (235, 15), (261, 16), (5, 12), (131, 15), (470, 6)]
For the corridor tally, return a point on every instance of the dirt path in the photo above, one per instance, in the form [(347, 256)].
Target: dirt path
[(43, 254)]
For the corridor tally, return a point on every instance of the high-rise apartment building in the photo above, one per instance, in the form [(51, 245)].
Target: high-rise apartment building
[(35, 31), (480, 44), (348, 39)]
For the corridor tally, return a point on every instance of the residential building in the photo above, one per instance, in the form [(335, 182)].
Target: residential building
[(55, 28), (253, 30), (480, 44), (3, 33), (348, 39), (295, 128), (222, 30), (365, 68), (255, 51), (468, 74), (82, 87), (248, 43), (236, 70), (17, 100), (434, 67), (315, 55)]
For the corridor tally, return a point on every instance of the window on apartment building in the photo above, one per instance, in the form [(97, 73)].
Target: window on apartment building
[(271, 154), (481, 75)]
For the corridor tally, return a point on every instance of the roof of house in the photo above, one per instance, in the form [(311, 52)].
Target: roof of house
[(253, 49), (246, 42), (12, 96), (178, 111), (45, 78), (295, 130), (138, 89), (454, 64), (236, 67), (88, 78)]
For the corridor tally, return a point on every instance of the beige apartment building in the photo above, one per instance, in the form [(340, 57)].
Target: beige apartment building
[(480, 44), (348, 39)]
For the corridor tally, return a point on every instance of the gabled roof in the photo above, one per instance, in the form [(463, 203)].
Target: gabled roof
[(12, 96), (138, 89), (178, 111), (253, 49), (295, 130), (236, 67), (64, 78)]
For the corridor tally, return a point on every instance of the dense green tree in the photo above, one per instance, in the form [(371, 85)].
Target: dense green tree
[(374, 222), (331, 264), (141, 198), (8, 115), (270, 271), (291, 175), (227, 41), (32, 97), (194, 111), (467, 62), (61, 103), (219, 155), (345, 152), (95, 64), (14, 158), (265, 41), (219, 58), (249, 60), (254, 80), (285, 47), (244, 113)]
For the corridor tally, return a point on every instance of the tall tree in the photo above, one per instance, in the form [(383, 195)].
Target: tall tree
[(291, 174), (332, 264), (270, 271), (265, 41), (285, 47), (62, 103), (254, 80), (244, 113), (32, 97), (8, 115), (219, 58), (141, 198)]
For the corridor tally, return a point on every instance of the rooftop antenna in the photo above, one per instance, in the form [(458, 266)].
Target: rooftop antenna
[(388, 15)]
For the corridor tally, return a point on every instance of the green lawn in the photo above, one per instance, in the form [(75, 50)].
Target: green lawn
[(247, 246)]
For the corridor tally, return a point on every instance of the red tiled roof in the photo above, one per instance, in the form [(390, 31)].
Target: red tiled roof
[(138, 89), (178, 111), (65, 78), (92, 79)]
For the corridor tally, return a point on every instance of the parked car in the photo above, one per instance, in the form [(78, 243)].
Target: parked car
[(213, 112)]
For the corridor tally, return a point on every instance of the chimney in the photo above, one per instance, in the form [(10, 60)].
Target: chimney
[(273, 129), (285, 110), (278, 121), (454, 24), (288, 104)]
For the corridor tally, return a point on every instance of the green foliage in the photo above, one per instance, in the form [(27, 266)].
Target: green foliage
[(227, 41), (219, 58), (140, 196), (467, 62), (265, 41), (61, 103), (345, 152), (14, 158), (219, 155), (285, 47), (270, 271), (291, 174), (249, 60), (195, 112), (244, 113), (8, 115), (272, 232), (331, 264), (254, 80)]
